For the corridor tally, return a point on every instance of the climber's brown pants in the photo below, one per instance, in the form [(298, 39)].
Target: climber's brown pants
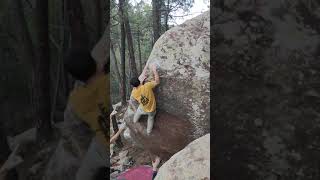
[(151, 116)]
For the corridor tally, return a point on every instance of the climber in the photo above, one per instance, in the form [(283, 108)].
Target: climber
[(89, 102), (143, 93)]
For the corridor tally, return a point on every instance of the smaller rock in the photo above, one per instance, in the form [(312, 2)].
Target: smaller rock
[(123, 154), (121, 161), (193, 162)]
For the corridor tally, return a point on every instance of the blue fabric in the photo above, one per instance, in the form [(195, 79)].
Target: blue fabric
[(154, 174)]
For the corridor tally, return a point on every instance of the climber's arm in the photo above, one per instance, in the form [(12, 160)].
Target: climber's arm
[(132, 102), (142, 76), (116, 136), (155, 73)]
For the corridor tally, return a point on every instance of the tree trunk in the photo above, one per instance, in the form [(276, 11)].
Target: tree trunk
[(116, 129), (166, 18), (79, 35), (115, 63), (40, 66), (41, 75), (123, 63), (105, 13), (139, 49), (22, 43), (124, 16), (156, 20), (65, 45), (117, 71), (106, 26), (99, 17)]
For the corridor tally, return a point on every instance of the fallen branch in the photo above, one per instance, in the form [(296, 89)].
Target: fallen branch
[(13, 160), (17, 144)]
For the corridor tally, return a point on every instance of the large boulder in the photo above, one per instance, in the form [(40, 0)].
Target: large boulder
[(182, 54), (193, 162)]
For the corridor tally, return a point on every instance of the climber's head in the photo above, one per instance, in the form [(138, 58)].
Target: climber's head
[(135, 82), (80, 64)]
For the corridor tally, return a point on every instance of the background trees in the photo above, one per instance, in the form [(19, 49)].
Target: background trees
[(35, 36), (135, 27)]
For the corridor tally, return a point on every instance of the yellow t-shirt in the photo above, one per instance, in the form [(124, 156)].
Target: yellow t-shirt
[(85, 101), (144, 95)]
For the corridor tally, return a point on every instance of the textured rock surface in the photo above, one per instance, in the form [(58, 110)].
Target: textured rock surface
[(266, 81), (193, 162), (183, 54)]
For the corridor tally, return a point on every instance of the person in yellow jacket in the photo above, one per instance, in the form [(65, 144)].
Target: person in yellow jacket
[(89, 102), (143, 94)]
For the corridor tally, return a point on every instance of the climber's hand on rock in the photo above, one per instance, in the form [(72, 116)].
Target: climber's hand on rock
[(142, 77), (153, 67)]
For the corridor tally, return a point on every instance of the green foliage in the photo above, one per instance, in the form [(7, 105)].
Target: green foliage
[(169, 7), (175, 5), (140, 18)]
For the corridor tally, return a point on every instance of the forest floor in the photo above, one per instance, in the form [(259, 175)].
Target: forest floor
[(129, 155)]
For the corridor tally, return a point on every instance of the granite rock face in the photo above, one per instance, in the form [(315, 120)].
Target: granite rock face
[(192, 162), (183, 56), (266, 81)]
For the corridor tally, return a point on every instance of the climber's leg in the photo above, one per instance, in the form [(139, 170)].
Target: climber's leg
[(151, 117), (95, 158), (138, 114)]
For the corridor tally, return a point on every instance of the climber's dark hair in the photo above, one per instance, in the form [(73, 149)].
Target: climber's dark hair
[(80, 64), (135, 82), (101, 173)]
